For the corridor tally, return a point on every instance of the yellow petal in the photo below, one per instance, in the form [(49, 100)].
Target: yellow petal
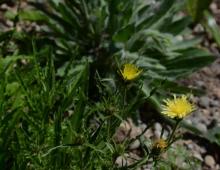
[(130, 72), (179, 107)]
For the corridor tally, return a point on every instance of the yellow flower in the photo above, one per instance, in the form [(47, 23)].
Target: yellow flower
[(179, 107), (160, 144), (130, 72)]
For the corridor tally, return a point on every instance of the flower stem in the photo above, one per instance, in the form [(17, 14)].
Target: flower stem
[(173, 132), (155, 163), (125, 96)]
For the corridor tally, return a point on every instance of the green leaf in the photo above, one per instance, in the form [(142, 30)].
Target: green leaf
[(124, 34), (10, 14), (197, 7), (185, 44), (190, 61), (174, 87), (178, 26), (32, 15), (158, 16), (211, 26), (213, 135)]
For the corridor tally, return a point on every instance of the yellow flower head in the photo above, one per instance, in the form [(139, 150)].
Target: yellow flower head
[(179, 107), (160, 144), (130, 72)]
